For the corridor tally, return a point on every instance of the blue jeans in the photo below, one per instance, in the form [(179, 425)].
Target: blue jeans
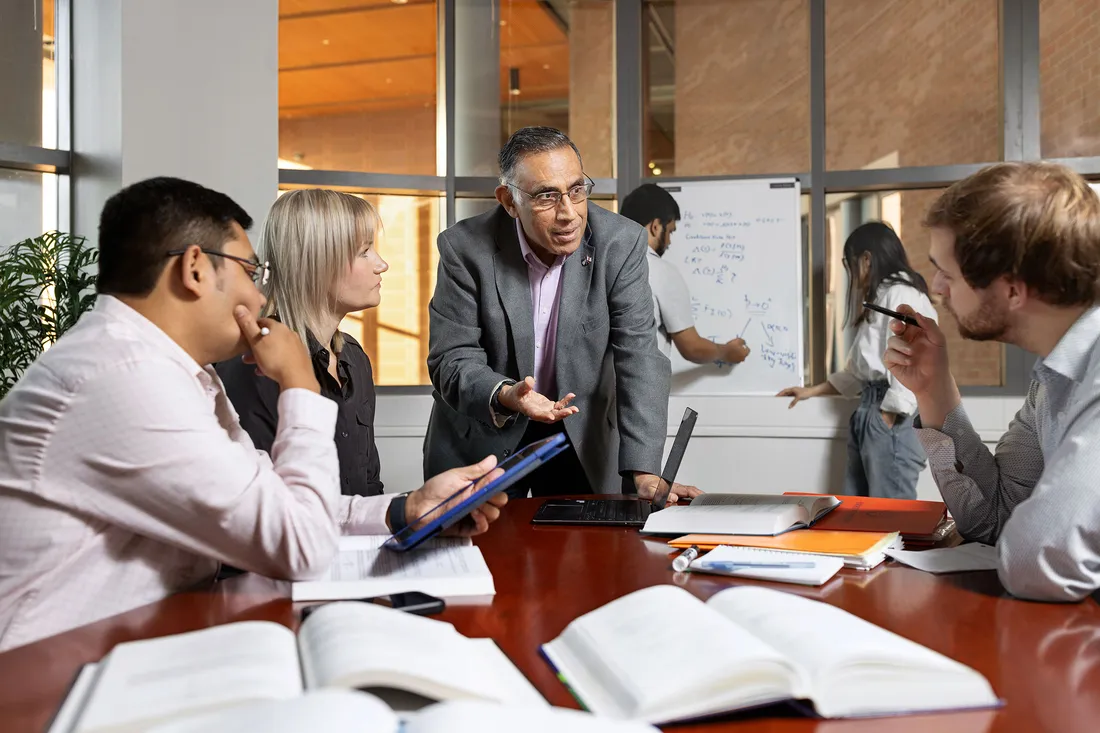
[(882, 461)]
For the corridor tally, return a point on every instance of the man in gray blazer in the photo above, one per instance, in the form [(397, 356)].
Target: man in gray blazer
[(541, 297)]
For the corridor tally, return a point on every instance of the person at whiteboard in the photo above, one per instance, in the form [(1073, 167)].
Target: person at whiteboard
[(884, 455), (655, 209)]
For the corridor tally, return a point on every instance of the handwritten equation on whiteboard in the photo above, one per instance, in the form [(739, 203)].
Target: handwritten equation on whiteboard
[(724, 259)]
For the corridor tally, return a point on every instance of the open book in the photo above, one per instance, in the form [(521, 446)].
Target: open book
[(340, 711), (750, 646), (341, 645), (758, 514), (445, 567)]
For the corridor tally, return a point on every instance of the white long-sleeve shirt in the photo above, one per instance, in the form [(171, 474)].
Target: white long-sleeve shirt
[(865, 357), (125, 476)]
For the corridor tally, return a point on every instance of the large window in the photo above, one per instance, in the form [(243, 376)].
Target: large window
[(1069, 76), (911, 83), (33, 118), (726, 86), (876, 104)]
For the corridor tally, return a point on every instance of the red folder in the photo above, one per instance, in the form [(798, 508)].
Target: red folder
[(869, 514)]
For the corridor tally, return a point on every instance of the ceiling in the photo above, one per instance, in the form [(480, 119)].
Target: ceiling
[(339, 56)]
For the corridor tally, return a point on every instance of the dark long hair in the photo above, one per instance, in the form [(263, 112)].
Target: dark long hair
[(889, 264)]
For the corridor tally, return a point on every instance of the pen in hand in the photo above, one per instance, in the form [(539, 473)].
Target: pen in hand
[(893, 314)]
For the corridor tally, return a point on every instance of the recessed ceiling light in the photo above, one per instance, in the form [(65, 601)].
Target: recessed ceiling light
[(324, 42), (546, 67), (399, 2), (503, 23), (656, 171)]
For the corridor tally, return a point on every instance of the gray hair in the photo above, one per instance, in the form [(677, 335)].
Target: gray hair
[(528, 140), (311, 237)]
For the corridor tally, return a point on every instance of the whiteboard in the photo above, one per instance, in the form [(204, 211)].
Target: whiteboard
[(738, 245)]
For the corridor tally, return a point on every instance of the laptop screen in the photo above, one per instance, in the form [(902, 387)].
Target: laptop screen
[(672, 463)]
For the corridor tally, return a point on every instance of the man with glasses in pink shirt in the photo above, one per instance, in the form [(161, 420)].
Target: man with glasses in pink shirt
[(124, 473)]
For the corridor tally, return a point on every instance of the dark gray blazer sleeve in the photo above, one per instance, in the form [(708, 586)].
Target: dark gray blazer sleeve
[(642, 373), (457, 364)]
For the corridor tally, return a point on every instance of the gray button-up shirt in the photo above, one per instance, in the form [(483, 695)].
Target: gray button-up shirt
[(1038, 496)]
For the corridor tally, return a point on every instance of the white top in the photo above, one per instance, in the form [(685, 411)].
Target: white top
[(671, 300), (125, 476), (865, 357)]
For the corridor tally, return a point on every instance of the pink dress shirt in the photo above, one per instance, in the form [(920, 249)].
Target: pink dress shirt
[(125, 476), (545, 294)]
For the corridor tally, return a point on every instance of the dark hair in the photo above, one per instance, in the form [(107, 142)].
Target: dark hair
[(143, 222), (648, 202), (528, 140), (888, 264), (1035, 222)]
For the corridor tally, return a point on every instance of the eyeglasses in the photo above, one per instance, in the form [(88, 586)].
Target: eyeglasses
[(260, 272), (551, 199)]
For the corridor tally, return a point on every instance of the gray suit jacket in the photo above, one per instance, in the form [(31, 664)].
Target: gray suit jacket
[(606, 352)]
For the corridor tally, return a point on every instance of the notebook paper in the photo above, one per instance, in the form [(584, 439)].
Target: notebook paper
[(823, 567)]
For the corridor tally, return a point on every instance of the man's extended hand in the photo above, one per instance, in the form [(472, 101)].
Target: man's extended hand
[(522, 398), (439, 488), (733, 352), (647, 483), (917, 357)]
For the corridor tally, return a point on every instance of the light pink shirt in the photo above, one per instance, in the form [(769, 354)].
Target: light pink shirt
[(545, 294), (125, 476)]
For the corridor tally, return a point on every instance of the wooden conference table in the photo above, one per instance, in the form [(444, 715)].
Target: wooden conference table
[(1042, 659)]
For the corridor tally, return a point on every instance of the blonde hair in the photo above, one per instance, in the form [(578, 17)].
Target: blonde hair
[(310, 238)]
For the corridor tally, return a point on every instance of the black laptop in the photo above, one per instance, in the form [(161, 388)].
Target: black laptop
[(621, 512)]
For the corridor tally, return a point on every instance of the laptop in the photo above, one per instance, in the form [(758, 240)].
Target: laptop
[(621, 512)]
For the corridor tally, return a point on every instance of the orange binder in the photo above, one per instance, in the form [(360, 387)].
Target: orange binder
[(870, 514), (822, 542)]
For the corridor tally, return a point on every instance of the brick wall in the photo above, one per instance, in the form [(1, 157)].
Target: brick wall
[(1069, 68)]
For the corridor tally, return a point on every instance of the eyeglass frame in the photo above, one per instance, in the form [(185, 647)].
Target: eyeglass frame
[(557, 195), (260, 273)]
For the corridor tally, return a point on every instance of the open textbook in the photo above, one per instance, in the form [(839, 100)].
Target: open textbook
[(750, 646), (341, 711), (756, 514), (341, 645), (445, 567)]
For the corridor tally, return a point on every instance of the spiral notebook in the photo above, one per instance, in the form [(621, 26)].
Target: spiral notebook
[(821, 569)]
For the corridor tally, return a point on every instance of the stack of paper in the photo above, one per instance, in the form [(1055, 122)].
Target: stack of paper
[(861, 550), (783, 567), (445, 568)]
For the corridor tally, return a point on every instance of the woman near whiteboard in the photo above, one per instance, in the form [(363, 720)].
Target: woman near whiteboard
[(884, 456)]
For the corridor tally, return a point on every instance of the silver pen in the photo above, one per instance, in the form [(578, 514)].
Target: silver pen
[(681, 562)]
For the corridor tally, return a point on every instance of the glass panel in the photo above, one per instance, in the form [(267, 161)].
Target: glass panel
[(1069, 70), (28, 112), (911, 83), (28, 205), (357, 85), (727, 86), (534, 62), (973, 363)]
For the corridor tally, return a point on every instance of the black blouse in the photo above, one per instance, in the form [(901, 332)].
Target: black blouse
[(256, 399)]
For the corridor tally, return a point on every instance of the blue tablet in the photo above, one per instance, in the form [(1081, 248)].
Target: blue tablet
[(459, 504)]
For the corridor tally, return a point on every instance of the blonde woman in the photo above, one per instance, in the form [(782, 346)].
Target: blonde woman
[(321, 248)]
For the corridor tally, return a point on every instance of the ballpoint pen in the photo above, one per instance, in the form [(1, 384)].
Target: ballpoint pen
[(719, 565)]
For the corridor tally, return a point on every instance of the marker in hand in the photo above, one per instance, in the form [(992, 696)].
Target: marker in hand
[(893, 314)]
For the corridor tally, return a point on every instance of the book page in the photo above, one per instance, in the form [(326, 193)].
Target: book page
[(468, 716), (442, 567), (143, 682), (855, 666), (751, 518), (365, 645), (322, 711), (813, 506), (660, 654)]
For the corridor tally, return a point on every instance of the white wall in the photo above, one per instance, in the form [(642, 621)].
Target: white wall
[(185, 88), (740, 444)]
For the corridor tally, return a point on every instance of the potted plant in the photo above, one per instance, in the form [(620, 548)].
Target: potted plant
[(46, 283)]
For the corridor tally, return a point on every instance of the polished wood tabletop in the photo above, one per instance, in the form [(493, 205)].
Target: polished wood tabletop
[(1043, 660)]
